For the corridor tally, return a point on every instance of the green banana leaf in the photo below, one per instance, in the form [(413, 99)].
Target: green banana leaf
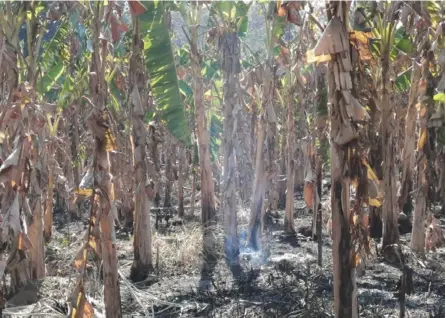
[(160, 64), (402, 82), (50, 78), (233, 12)]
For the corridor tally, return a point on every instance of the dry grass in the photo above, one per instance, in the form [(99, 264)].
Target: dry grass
[(181, 249)]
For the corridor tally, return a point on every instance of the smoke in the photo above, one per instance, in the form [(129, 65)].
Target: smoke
[(256, 257)]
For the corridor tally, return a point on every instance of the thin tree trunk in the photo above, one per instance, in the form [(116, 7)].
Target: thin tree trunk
[(154, 131), (208, 215), (282, 184), (170, 155), (181, 166), (321, 118), (318, 208), (408, 156), (192, 197), (230, 60), (48, 217), (417, 243), (261, 176), (207, 183), (77, 162), (375, 159), (289, 211)]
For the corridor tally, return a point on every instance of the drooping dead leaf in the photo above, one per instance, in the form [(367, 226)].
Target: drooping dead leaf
[(356, 111), (11, 162), (332, 40), (308, 194), (311, 58), (370, 173), (374, 202), (360, 40), (95, 244), (24, 243), (136, 8), (136, 102), (81, 258), (11, 219), (84, 192), (110, 144), (117, 27), (282, 11), (294, 16), (83, 307), (345, 134)]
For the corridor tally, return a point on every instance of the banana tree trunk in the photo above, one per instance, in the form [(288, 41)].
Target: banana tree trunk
[(344, 280), (192, 196), (266, 130), (323, 142), (244, 161), (375, 154), (230, 55), (75, 141), (289, 209), (424, 149), (282, 184), (207, 184), (35, 230), (97, 124), (390, 207), (208, 215), (170, 157), (155, 140), (408, 156), (48, 217), (181, 171), (144, 192)]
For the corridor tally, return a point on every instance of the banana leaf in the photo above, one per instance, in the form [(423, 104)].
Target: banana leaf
[(50, 78), (160, 64), (402, 82)]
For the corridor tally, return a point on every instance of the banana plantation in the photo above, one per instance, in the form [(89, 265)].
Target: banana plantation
[(222, 159)]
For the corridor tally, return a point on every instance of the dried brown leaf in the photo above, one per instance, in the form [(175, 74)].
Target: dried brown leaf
[(332, 40), (308, 194), (11, 220), (24, 242), (81, 257)]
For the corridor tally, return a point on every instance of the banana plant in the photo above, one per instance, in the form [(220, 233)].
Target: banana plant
[(265, 174), (231, 22)]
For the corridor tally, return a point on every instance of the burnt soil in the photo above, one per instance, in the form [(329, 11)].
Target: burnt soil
[(282, 280)]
